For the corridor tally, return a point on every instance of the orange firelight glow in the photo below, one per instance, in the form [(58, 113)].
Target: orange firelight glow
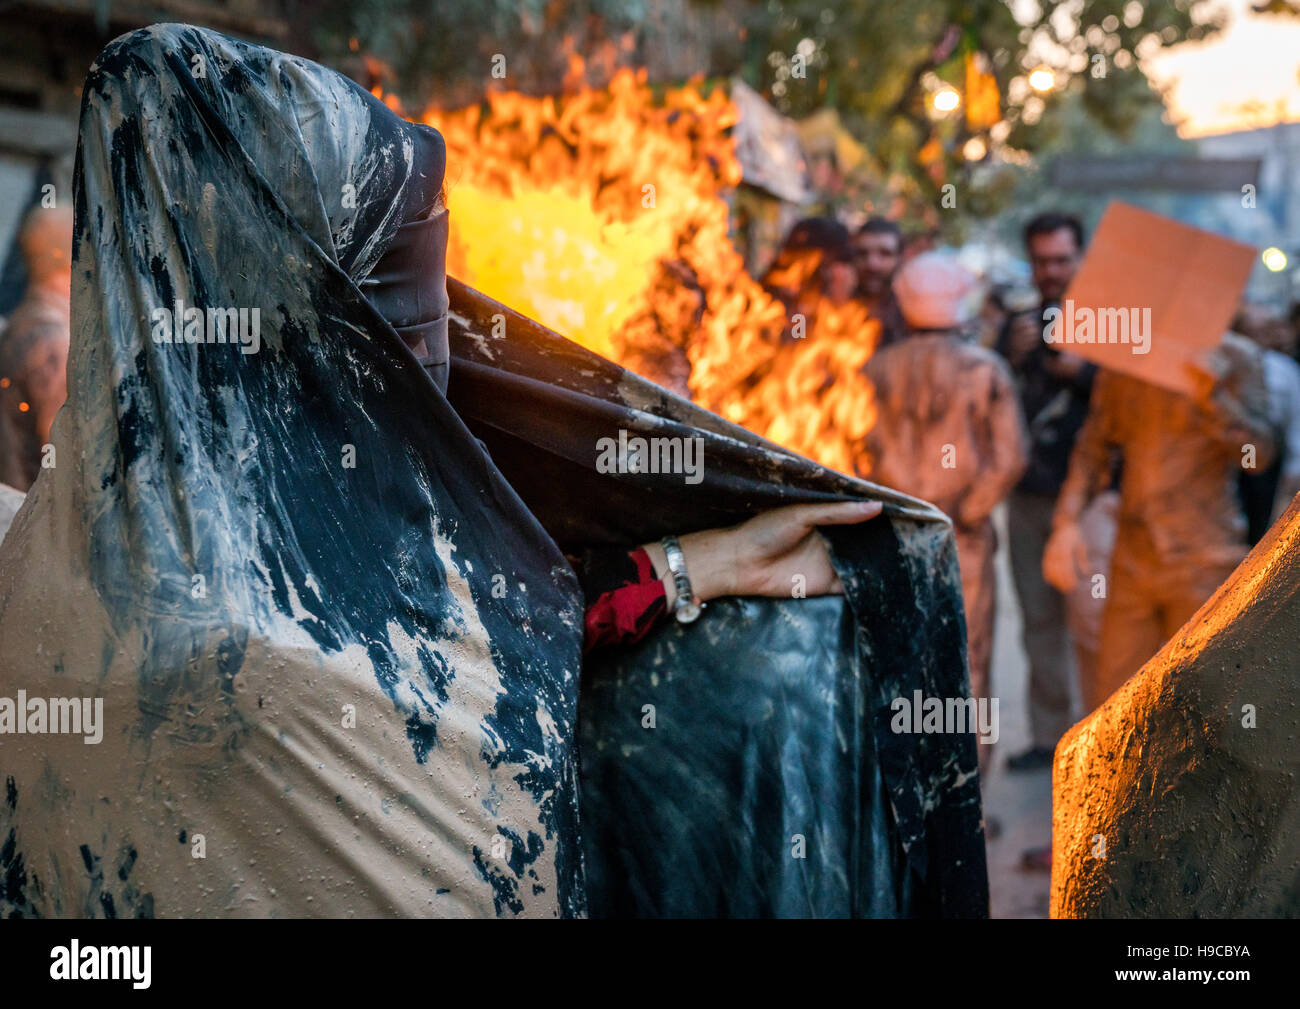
[(569, 209)]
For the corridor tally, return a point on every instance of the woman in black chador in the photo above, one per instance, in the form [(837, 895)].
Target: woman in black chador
[(318, 622)]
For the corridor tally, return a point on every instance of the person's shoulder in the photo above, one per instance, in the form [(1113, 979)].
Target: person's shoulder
[(902, 347), (978, 356), (979, 352)]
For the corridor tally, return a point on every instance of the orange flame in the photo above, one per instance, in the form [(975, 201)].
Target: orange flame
[(602, 215)]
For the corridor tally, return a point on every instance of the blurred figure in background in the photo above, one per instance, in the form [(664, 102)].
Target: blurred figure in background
[(1282, 374), (653, 343), (877, 253), (815, 278), (34, 346), (796, 276), (994, 316), (1181, 529), (1085, 603), (948, 429), (1054, 388), (1266, 493), (837, 276)]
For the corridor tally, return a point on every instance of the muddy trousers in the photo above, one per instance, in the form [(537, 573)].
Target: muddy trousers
[(1146, 607), (975, 550), (1042, 608)]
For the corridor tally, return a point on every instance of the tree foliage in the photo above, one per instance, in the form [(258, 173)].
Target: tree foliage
[(878, 63)]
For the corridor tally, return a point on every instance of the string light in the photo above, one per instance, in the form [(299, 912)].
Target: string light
[(1274, 259), (1042, 79), (946, 99)]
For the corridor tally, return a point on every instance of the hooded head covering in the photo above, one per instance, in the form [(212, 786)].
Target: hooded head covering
[(298, 602), (408, 286)]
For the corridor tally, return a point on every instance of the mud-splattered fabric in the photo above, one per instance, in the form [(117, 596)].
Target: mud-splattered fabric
[(274, 570), (745, 765), (328, 609)]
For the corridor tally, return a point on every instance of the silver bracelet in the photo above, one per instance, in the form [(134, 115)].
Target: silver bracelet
[(688, 605)]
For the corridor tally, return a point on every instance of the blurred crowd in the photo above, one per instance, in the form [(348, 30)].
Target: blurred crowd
[(1127, 504)]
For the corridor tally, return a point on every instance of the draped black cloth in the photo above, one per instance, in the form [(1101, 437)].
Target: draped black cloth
[(772, 718), (327, 609)]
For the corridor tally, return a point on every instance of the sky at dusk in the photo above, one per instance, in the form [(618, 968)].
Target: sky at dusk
[(1247, 76)]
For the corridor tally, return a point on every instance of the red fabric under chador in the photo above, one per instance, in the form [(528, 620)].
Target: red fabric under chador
[(624, 598)]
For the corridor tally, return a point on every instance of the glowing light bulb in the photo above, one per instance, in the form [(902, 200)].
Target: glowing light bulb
[(946, 99), (1274, 259), (1042, 79)]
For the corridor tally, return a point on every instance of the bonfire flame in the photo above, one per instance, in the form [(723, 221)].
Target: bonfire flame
[(601, 215)]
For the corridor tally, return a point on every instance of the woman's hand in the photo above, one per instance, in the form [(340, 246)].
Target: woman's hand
[(763, 556)]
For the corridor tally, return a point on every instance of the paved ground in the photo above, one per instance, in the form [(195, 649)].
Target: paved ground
[(1020, 802)]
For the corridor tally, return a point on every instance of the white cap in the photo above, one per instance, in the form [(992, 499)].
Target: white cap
[(935, 291)]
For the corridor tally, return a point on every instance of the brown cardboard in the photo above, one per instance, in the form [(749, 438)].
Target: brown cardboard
[(1141, 266)]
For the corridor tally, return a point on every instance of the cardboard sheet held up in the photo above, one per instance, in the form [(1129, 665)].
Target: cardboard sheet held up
[(1151, 295)]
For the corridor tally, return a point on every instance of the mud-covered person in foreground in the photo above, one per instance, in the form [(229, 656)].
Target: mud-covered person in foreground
[(268, 558)]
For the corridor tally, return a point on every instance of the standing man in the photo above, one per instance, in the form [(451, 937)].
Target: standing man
[(1181, 528), (1054, 388), (877, 251), (948, 430)]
